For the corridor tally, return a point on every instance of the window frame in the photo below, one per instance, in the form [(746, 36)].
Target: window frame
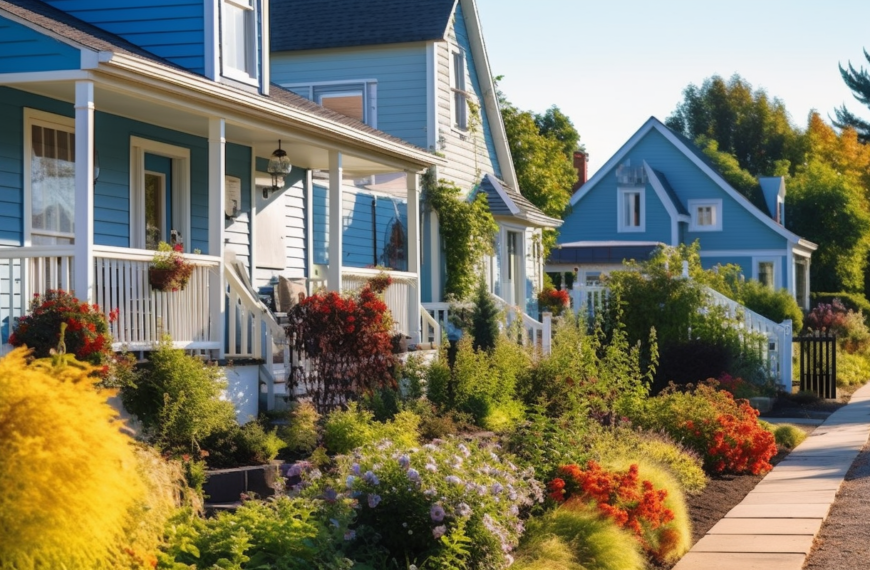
[(459, 94), (777, 270), (695, 205), (35, 117), (622, 227), (369, 89), (252, 46)]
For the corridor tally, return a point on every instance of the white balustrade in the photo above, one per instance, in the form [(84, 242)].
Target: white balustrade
[(431, 328), (398, 296), (590, 298), (145, 315)]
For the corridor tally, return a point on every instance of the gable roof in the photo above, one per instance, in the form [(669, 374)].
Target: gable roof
[(69, 29), (319, 24), (695, 156), (505, 201)]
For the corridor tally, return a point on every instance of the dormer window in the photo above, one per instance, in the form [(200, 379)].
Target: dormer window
[(239, 45)]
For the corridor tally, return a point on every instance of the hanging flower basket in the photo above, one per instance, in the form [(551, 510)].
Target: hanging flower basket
[(169, 270)]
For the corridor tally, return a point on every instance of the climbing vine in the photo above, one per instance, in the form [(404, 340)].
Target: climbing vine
[(467, 228)]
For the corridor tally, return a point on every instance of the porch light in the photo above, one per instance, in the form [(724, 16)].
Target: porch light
[(279, 167)]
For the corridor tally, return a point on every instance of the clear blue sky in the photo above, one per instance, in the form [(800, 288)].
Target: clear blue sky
[(611, 65)]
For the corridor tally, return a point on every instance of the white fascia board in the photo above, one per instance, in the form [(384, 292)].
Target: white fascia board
[(715, 177), (614, 160), (432, 95), (744, 253), (665, 199), (805, 245), (490, 99), (504, 196), (45, 76), (252, 105)]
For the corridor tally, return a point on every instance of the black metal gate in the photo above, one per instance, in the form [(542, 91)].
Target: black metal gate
[(817, 364)]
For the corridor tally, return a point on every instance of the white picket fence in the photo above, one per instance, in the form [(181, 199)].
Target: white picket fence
[(590, 299)]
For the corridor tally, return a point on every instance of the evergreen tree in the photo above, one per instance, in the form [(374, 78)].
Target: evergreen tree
[(858, 80), (484, 319)]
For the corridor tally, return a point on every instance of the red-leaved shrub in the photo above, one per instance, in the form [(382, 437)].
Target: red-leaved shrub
[(632, 503), (724, 431), (553, 300), (348, 343)]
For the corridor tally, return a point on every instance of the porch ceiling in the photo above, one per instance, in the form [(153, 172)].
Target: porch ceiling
[(188, 117)]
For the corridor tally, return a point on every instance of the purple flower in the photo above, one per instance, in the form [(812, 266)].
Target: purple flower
[(497, 488), (464, 450), (453, 479), (413, 475), (404, 461), (439, 531), (349, 481), (463, 510), (330, 495), (371, 478), (354, 468), (374, 500), (436, 513), (432, 467)]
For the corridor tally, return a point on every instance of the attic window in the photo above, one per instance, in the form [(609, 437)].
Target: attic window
[(460, 96), (631, 210), (706, 215), (239, 45)]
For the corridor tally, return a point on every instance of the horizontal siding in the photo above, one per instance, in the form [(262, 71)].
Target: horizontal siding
[(400, 72), (237, 232), (23, 49), (594, 216), (173, 29), (11, 176), (364, 236)]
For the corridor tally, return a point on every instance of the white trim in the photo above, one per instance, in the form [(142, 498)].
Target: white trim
[(163, 221), (666, 201), (83, 265), (790, 272), (431, 98), (621, 227), (211, 22), (180, 189), (265, 49), (716, 214), (44, 76), (251, 37), (743, 253), (777, 269), (42, 118)]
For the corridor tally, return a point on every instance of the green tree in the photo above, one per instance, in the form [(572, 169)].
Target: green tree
[(726, 164), (555, 124), (858, 80), (828, 208), (745, 123), (484, 319)]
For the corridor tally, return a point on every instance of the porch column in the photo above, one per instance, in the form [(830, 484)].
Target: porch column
[(333, 273), (413, 182), (83, 265), (216, 208), (435, 255)]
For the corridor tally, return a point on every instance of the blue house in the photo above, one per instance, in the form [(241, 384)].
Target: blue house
[(659, 188), (418, 71), (127, 124)]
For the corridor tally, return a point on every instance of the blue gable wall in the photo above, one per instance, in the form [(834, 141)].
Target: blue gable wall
[(111, 193), (594, 216), (23, 49), (172, 29), (400, 72)]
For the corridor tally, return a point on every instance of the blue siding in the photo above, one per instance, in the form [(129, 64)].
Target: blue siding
[(594, 216), (23, 49), (364, 236), (461, 31), (400, 73), (172, 29)]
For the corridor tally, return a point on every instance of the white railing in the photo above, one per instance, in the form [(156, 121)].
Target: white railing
[(25, 272), (778, 335), (146, 315), (252, 330), (592, 298), (535, 333)]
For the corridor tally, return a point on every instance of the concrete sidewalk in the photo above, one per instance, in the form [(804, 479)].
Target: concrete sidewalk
[(774, 527)]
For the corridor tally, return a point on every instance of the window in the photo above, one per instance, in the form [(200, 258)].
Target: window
[(51, 157), (706, 215), (239, 42), (632, 202), (766, 271), (349, 104), (460, 95), (356, 99)]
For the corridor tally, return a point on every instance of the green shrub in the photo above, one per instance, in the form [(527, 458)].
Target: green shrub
[(484, 318), (250, 444), (438, 385), (775, 305), (177, 399), (504, 416), (789, 436), (852, 369), (345, 430), (300, 433), (283, 533), (853, 301), (576, 538), (543, 443)]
